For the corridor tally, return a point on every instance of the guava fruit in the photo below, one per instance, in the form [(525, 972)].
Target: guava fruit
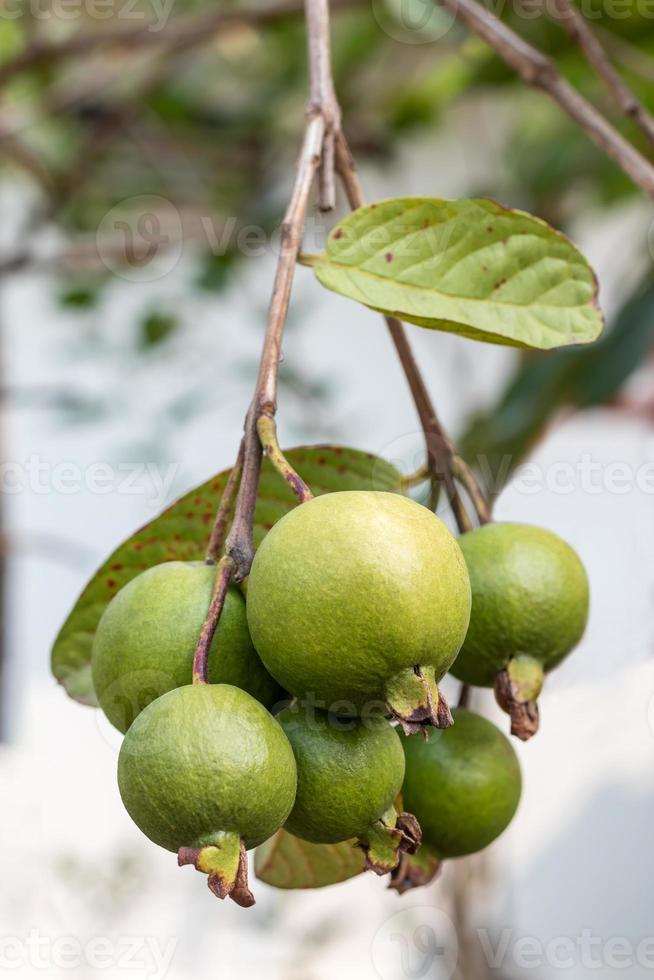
[(350, 771), (146, 639), (360, 598), (207, 772), (464, 786), (529, 609)]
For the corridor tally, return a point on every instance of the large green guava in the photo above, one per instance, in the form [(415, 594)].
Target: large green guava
[(350, 771), (529, 597), (357, 599), (206, 771), (146, 639), (529, 610), (463, 784)]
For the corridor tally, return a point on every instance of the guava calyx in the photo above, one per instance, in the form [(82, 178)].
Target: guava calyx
[(516, 691), (414, 701), (226, 864), (389, 837), (415, 870)]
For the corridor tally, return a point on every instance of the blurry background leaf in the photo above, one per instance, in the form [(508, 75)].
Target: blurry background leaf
[(155, 328), (288, 862)]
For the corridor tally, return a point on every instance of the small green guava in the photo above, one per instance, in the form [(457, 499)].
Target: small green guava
[(463, 785), (207, 772), (350, 771), (529, 610), (146, 639), (360, 598)]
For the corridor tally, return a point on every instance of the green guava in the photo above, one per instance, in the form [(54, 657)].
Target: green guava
[(146, 639), (463, 785), (207, 772), (350, 771), (529, 609), (357, 599)]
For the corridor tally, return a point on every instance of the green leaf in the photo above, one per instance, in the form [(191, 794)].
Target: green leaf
[(155, 328), (288, 862), (182, 532), (469, 267)]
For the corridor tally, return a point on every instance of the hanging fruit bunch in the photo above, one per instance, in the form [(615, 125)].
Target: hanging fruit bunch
[(277, 680)]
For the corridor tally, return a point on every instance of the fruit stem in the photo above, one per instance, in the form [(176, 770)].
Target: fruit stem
[(267, 430), (225, 511), (416, 478), (465, 476), (464, 696), (322, 120), (224, 572), (440, 451), (308, 259)]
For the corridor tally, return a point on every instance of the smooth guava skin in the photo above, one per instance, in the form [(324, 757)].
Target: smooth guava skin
[(529, 596), (146, 639), (205, 759), (463, 784), (349, 773), (351, 589)]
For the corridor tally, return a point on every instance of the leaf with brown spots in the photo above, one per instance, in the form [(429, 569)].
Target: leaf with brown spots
[(182, 531), (470, 267), (288, 862)]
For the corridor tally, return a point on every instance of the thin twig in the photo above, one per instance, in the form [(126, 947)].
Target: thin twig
[(239, 543), (239, 547), (464, 696), (580, 32), (225, 511), (628, 55), (416, 478), (439, 446), (224, 572), (465, 476), (539, 71), (322, 97), (267, 430)]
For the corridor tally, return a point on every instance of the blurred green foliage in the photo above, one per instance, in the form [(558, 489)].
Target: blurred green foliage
[(544, 385), (213, 128)]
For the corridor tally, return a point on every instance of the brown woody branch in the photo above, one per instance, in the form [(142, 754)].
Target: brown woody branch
[(440, 451), (539, 71), (579, 31), (239, 547)]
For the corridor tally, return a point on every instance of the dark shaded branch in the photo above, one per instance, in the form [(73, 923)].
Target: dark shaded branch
[(439, 447), (580, 32), (225, 510), (539, 71)]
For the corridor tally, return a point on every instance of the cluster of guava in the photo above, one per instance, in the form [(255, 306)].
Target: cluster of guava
[(323, 679)]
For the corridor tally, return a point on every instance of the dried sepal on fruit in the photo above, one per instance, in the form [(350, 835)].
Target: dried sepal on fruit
[(206, 772), (359, 600)]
